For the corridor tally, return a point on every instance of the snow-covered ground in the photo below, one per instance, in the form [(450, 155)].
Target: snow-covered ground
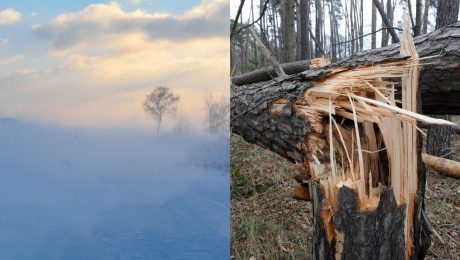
[(111, 194)]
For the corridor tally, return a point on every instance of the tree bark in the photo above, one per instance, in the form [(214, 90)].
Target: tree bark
[(385, 240), (440, 82), (304, 32), (418, 18), (287, 21), (374, 27), (318, 27), (447, 12), (425, 16), (438, 138)]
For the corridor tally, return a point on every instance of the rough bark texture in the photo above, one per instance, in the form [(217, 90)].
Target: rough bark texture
[(367, 235), (418, 18), (447, 12), (440, 80), (438, 138), (425, 16), (284, 133), (287, 20), (304, 33)]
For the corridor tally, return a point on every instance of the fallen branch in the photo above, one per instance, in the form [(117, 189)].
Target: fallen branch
[(438, 164)]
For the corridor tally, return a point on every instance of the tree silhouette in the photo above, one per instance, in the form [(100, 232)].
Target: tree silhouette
[(159, 103)]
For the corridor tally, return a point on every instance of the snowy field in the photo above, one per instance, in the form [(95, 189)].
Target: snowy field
[(118, 194)]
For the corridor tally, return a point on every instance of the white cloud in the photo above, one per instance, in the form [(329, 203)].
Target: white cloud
[(9, 16), (11, 59), (34, 14), (98, 21)]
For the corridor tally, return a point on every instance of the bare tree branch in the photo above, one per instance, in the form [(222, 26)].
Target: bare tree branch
[(238, 13), (256, 21), (386, 21)]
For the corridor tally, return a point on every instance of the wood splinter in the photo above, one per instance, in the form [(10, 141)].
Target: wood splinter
[(358, 147)]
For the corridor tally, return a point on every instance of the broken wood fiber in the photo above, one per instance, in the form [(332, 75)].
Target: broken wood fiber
[(359, 144)]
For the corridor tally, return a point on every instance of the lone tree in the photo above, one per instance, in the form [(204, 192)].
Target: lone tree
[(159, 103)]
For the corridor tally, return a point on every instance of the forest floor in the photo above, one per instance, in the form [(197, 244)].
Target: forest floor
[(266, 223)]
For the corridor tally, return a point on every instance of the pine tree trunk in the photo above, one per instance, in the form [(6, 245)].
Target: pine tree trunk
[(438, 139), (425, 16), (287, 25), (374, 27), (304, 33), (384, 32), (418, 18), (447, 12)]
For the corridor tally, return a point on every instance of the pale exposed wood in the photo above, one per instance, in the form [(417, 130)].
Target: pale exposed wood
[(449, 167)]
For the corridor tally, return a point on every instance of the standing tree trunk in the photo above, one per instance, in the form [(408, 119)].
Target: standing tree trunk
[(418, 18), (263, 30), (304, 29), (438, 137), (318, 27), (254, 47), (361, 27), (374, 27), (425, 16), (287, 25), (447, 12), (384, 32), (158, 125), (297, 33), (332, 27)]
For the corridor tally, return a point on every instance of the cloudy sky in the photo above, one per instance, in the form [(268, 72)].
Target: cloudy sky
[(90, 64)]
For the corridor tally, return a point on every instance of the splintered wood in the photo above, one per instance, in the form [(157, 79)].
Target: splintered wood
[(364, 134)]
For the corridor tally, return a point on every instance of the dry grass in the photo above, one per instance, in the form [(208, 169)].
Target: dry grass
[(268, 224)]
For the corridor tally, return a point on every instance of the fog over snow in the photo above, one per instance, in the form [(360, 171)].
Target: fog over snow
[(69, 193)]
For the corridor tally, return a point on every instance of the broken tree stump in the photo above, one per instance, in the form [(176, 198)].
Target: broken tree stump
[(360, 148)]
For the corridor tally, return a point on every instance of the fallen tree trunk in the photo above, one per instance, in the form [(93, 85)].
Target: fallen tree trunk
[(269, 73), (341, 125), (442, 165), (439, 77)]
